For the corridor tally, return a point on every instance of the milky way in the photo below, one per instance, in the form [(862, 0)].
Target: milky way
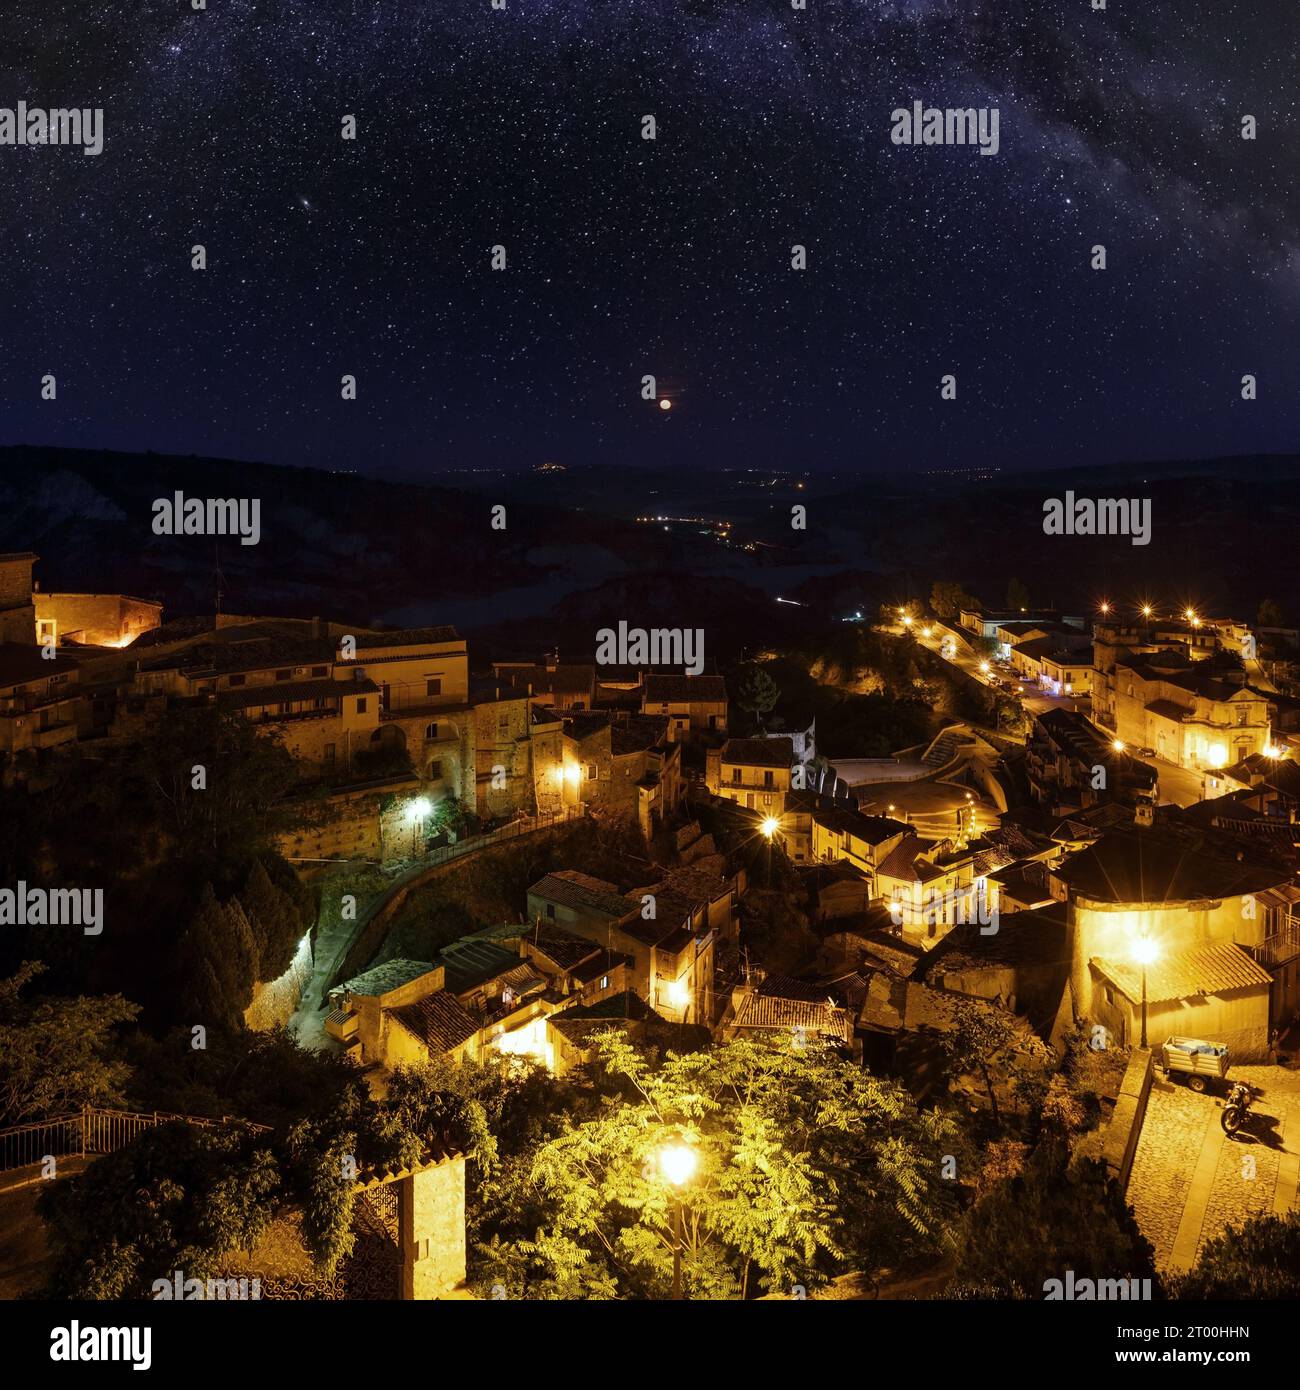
[(671, 257)]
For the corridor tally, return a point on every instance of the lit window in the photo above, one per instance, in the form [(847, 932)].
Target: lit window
[(604, 982)]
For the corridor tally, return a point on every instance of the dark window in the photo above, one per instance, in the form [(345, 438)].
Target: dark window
[(433, 687), (320, 670), (735, 775), (435, 770), (768, 780), (329, 752), (284, 675), (236, 680), (550, 909), (361, 705)]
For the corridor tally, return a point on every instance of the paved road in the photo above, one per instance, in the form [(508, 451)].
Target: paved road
[(1190, 1181), (1179, 786)]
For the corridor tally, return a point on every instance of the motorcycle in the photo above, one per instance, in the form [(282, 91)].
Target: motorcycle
[(1236, 1108)]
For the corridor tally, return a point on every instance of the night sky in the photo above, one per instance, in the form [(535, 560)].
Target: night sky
[(627, 257)]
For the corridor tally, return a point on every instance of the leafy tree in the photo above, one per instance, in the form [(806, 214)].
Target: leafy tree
[(1260, 1259), (1017, 594), (177, 1197), (948, 599), (275, 922), (756, 692), (1270, 614), (218, 830), (217, 953), (57, 1054), (1051, 1217), (980, 1042), (803, 1161)]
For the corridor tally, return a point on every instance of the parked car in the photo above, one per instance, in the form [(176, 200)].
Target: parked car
[(1198, 1062), (1145, 752)]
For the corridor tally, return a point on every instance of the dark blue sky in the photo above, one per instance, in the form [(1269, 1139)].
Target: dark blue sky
[(671, 257)]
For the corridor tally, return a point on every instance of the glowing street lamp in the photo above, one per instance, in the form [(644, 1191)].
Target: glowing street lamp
[(417, 812), (1118, 745), (677, 1162), (1103, 608), (770, 826), (984, 668), (1146, 610), (1145, 951)]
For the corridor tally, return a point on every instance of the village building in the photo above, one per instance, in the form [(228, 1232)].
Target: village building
[(695, 706), (1071, 764), (1176, 893), (756, 773)]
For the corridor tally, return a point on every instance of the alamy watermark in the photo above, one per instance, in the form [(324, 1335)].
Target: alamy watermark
[(950, 125), (224, 1290), (53, 907), (34, 125), (1098, 516), (1072, 1290), (952, 907), (656, 646), (179, 515)]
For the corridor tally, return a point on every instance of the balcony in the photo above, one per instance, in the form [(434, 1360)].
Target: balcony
[(1281, 947)]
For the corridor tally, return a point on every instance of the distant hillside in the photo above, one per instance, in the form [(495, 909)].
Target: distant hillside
[(331, 543)]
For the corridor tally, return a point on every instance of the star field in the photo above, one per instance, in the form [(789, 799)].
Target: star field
[(670, 257)]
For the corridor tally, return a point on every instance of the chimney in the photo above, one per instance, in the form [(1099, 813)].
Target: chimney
[(318, 627)]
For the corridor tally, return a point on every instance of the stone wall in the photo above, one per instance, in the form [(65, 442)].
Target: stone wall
[(98, 619), (275, 1001)]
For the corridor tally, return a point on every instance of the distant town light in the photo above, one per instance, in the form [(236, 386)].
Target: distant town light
[(984, 667), (770, 826), (907, 620), (1118, 745), (1104, 608), (1146, 610)]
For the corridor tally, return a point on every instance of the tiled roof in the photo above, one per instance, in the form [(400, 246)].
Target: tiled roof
[(565, 950), (685, 689), (570, 888), (636, 733), (470, 963), (289, 692), (439, 1020), (1185, 974), (759, 752), (390, 975), (1148, 866), (20, 664), (1167, 709), (771, 1012)]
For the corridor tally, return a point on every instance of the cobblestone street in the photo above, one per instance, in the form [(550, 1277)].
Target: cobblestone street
[(1190, 1180)]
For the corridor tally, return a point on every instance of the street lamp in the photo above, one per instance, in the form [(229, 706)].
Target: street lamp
[(677, 1162), (1144, 952), (416, 811)]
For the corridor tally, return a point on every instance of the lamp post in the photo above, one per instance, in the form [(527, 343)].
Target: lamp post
[(1144, 952), (417, 811), (677, 1162), (769, 828)]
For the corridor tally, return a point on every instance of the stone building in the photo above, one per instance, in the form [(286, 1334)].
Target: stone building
[(756, 773), (94, 620), (693, 705), (17, 609)]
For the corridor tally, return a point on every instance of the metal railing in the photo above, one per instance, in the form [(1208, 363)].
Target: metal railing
[(91, 1131)]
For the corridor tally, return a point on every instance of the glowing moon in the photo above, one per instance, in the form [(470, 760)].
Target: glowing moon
[(665, 404)]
